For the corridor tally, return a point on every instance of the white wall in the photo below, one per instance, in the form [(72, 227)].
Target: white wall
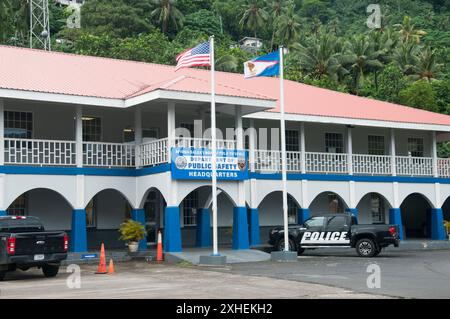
[(53, 210)]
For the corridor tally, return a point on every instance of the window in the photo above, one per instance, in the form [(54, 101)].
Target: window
[(377, 209), (18, 124), (189, 127), (190, 204), (91, 220), (335, 204), (147, 134), (334, 143), (292, 141), (19, 206), (292, 211), (92, 129), (376, 145), (415, 146), (314, 222), (336, 222)]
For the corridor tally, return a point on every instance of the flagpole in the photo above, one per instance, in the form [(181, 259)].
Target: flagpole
[(283, 153), (213, 149)]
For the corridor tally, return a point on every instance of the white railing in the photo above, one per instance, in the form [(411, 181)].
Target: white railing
[(414, 166), (372, 164), (152, 153), (108, 154), (326, 163), (189, 142), (270, 161), (443, 165), (39, 152)]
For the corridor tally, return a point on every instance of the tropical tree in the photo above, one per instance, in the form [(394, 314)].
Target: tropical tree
[(254, 16), (362, 58), (425, 66), (321, 56), (288, 26), (275, 10), (168, 15), (404, 57), (408, 30)]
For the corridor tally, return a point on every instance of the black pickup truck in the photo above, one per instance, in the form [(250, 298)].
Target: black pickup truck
[(24, 243), (337, 230)]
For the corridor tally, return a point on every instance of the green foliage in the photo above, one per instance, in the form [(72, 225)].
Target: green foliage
[(131, 231), (419, 94), (443, 149), (329, 43)]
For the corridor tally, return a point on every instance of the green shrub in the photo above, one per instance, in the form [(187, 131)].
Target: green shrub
[(131, 230)]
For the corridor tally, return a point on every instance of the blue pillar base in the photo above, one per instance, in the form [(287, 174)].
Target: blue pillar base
[(353, 212), (203, 234), (254, 227), (172, 230), (138, 215), (3, 213), (302, 215), (395, 217), (240, 228), (437, 224), (78, 240)]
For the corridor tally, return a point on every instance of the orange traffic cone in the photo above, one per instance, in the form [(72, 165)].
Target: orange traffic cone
[(111, 269), (102, 263), (159, 248)]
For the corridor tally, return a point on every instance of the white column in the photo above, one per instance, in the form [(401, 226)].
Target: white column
[(138, 134), (171, 126), (252, 145), (240, 146), (79, 136), (349, 150), (434, 153), (392, 152), (302, 148), (2, 131), (80, 186)]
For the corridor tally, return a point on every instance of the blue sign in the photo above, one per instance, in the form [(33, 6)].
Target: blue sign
[(89, 256), (195, 164)]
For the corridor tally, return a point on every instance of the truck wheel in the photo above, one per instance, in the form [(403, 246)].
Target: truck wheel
[(300, 251), (377, 252), (280, 246), (50, 270), (2, 275), (366, 247)]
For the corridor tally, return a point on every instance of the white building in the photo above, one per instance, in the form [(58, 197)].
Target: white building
[(87, 144)]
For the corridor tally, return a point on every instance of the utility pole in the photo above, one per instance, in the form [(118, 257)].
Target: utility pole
[(39, 25)]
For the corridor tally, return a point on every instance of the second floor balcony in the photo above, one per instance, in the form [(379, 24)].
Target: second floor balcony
[(37, 152)]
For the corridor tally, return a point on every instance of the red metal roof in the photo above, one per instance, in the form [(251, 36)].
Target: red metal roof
[(55, 72)]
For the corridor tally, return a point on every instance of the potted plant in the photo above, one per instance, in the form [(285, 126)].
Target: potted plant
[(132, 232)]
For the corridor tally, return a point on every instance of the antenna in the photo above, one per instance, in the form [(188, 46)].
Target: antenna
[(39, 25)]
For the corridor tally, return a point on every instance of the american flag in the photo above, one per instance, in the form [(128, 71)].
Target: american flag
[(197, 56)]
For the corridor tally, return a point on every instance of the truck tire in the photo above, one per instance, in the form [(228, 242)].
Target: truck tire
[(2, 275), (366, 247), (280, 245), (50, 270), (377, 252), (300, 251)]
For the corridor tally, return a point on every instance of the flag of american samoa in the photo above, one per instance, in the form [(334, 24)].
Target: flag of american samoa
[(266, 65)]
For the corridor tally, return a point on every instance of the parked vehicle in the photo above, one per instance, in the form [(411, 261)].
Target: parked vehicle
[(24, 243), (337, 230)]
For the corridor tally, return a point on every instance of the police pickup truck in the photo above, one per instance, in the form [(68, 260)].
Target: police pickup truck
[(337, 230), (24, 243)]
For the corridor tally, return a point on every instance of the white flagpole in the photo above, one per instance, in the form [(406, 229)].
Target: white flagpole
[(213, 148), (283, 153)]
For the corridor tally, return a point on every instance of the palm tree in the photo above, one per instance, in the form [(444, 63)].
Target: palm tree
[(5, 22), (405, 57), (288, 26), (321, 56), (408, 30), (275, 11), (425, 66), (167, 14), (254, 16), (363, 58), (227, 63)]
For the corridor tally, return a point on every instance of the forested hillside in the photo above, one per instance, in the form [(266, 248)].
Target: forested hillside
[(405, 61)]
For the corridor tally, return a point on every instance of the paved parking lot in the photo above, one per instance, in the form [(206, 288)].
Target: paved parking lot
[(143, 280)]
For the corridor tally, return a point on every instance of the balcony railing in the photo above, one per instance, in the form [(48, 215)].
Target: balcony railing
[(99, 154)]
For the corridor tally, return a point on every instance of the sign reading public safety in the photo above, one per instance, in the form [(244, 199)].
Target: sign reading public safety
[(195, 164)]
